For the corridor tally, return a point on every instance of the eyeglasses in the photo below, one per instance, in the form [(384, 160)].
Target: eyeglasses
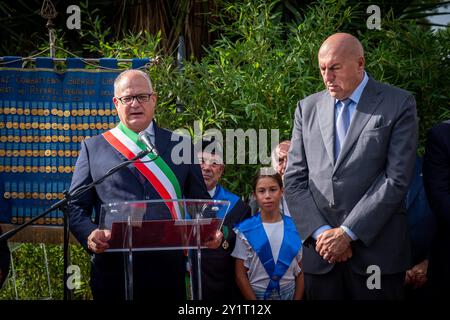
[(212, 163), (141, 98)]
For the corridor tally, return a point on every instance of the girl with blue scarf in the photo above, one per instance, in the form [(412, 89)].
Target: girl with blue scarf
[(268, 249)]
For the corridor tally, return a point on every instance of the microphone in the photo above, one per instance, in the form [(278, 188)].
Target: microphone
[(144, 137)]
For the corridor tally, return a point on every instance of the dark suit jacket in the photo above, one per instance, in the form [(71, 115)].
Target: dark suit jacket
[(422, 223), (365, 187), (436, 174), (158, 274)]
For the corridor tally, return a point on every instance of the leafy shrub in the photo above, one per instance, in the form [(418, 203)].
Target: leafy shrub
[(37, 272)]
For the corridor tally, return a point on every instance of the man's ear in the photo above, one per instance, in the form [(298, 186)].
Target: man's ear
[(361, 62), (116, 102), (154, 98)]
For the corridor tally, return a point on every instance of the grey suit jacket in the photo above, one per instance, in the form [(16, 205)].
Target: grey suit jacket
[(365, 188)]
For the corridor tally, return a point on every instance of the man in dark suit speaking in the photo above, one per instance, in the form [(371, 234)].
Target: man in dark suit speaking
[(157, 274), (349, 166)]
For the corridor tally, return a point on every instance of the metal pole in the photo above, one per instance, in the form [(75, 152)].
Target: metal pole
[(51, 38), (152, 61), (181, 56), (48, 12), (199, 259)]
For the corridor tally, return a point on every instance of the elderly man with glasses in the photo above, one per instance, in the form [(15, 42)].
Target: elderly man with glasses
[(218, 276)]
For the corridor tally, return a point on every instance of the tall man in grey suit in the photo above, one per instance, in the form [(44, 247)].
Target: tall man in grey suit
[(349, 166)]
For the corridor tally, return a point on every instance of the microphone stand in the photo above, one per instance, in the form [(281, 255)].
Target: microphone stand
[(63, 206)]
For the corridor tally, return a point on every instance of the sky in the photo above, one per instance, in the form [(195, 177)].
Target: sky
[(441, 19)]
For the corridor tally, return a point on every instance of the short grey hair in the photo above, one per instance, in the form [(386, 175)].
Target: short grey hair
[(132, 71)]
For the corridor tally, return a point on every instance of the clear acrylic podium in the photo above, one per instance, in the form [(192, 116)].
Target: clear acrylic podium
[(161, 225)]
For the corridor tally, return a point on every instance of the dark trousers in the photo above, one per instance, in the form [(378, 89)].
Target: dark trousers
[(342, 283), (157, 275)]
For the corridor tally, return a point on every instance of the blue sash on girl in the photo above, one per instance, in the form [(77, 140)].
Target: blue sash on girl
[(253, 230)]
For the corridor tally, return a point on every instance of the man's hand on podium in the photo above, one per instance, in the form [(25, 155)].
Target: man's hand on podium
[(215, 242), (98, 240)]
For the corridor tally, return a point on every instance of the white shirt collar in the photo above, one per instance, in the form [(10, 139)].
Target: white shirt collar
[(212, 192)]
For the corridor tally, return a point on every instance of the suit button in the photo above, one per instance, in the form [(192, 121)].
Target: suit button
[(147, 198), (331, 205), (335, 179)]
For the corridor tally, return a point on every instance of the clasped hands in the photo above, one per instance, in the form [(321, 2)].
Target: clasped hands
[(333, 245)]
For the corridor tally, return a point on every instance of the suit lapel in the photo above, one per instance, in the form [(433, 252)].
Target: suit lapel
[(325, 110), (370, 99)]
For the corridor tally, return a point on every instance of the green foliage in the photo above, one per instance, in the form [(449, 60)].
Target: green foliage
[(409, 57), (97, 39), (37, 272)]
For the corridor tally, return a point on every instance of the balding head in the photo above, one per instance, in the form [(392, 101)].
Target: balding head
[(131, 73), (279, 156), (342, 43), (341, 62)]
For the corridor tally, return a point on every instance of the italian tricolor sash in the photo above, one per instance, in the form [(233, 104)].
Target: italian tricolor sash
[(157, 172)]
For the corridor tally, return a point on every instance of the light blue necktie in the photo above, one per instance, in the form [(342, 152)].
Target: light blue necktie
[(342, 124)]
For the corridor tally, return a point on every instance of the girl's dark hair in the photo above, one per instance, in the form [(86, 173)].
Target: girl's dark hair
[(267, 173)]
